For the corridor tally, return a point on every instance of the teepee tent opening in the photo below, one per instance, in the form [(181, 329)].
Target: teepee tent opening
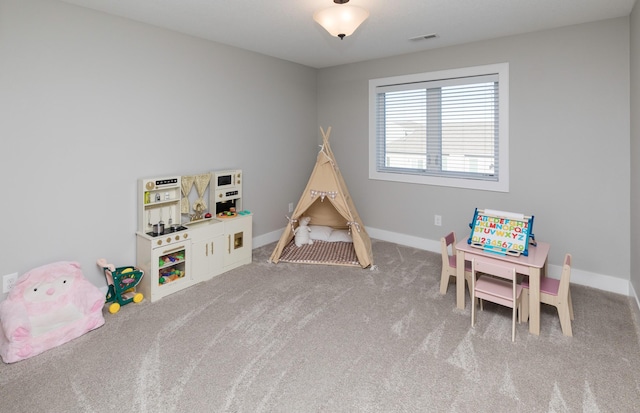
[(327, 202)]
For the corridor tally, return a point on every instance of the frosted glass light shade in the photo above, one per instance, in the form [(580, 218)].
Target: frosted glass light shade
[(341, 20)]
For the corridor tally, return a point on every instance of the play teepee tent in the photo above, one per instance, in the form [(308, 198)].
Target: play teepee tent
[(327, 202)]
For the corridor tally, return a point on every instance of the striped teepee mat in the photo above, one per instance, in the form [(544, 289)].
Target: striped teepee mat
[(321, 252)]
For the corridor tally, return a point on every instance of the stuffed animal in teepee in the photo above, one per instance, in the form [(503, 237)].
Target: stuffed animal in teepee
[(302, 233), (47, 307)]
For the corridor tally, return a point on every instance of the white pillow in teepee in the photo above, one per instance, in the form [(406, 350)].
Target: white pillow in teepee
[(320, 232), (340, 235)]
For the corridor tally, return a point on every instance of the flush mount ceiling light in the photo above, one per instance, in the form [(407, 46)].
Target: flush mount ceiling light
[(341, 20)]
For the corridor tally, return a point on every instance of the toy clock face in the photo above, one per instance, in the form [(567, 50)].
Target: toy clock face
[(150, 185)]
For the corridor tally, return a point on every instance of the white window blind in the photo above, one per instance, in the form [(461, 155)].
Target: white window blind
[(444, 127)]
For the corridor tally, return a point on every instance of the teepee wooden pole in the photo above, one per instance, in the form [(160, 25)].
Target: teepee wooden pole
[(325, 136)]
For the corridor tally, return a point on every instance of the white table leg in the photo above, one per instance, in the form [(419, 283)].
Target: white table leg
[(460, 279), (534, 301)]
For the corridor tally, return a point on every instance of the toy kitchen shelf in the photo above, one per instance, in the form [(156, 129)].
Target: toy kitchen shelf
[(159, 203), (183, 254)]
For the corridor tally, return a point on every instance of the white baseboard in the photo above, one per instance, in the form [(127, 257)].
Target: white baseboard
[(267, 238), (634, 294), (578, 276), (581, 277)]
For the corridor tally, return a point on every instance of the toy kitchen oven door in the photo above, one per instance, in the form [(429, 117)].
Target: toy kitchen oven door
[(163, 244), (227, 192)]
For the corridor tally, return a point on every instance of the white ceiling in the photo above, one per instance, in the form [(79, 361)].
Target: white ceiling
[(285, 28)]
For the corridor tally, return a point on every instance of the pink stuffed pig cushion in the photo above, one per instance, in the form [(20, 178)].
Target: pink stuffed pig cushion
[(49, 306)]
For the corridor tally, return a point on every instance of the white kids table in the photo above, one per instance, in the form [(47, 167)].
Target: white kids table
[(533, 265)]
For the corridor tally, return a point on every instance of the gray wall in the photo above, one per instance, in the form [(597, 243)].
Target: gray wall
[(569, 142), (635, 149), (91, 102)]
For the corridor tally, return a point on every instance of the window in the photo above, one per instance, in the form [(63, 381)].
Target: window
[(446, 128)]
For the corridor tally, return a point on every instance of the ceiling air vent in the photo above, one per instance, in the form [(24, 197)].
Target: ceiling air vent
[(424, 37)]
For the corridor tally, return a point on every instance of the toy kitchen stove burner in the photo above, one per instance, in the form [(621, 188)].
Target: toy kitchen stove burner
[(167, 230)]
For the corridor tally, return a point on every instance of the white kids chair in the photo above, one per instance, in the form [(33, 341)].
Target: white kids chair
[(556, 293), (449, 264), (500, 289)]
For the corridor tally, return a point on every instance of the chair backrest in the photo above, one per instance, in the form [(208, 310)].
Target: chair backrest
[(492, 291), (565, 278), (445, 242), (491, 267)]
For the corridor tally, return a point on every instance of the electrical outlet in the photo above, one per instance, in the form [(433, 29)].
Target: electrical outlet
[(8, 281), (290, 206), (437, 220)]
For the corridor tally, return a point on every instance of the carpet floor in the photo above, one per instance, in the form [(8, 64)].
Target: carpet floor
[(314, 338)]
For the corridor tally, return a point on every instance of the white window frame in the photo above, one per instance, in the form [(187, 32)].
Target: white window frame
[(502, 183)]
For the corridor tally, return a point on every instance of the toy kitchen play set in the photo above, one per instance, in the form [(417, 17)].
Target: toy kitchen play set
[(190, 229)]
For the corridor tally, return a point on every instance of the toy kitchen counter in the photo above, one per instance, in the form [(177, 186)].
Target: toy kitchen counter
[(178, 256)]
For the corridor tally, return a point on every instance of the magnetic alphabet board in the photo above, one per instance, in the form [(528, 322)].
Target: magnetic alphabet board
[(500, 232)]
